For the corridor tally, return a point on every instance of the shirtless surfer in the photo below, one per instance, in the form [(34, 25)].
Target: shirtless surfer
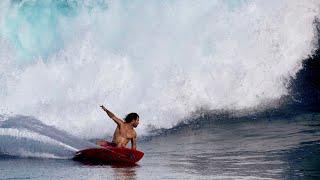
[(125, 129)]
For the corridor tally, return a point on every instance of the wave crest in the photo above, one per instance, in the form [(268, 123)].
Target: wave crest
[(161, 59)]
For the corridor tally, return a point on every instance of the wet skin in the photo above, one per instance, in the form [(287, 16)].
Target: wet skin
[(124, 132)]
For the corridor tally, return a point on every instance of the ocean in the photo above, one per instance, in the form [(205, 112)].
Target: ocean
[(225, 89), (245, 148)]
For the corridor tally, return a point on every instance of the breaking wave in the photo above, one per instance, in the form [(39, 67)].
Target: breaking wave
[(59, 60)]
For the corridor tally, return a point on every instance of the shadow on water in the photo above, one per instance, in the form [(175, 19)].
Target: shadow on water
[(303, 161)]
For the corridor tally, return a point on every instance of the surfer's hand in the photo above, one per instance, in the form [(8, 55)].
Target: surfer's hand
[(102, 107)]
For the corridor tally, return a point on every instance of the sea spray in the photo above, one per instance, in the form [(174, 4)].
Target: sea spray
[(161, 59), (22, 136)]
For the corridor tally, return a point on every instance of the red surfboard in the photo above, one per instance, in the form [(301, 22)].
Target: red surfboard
[(108, 154)]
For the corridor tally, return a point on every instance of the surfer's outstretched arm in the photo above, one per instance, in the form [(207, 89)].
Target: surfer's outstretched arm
[(112, 116)]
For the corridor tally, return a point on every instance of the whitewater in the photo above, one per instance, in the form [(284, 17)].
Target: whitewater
[(60, 60)]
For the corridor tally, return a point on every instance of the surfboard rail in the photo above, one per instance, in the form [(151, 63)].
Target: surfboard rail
[(106, 154)]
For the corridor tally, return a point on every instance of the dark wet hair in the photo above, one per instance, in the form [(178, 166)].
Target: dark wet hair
[(130, 117)]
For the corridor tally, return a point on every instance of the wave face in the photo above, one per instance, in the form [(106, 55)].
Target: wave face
[(22, 136), (59, 60), (305, 86)]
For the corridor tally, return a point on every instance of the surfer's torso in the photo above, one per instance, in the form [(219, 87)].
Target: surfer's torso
[(123, 134)]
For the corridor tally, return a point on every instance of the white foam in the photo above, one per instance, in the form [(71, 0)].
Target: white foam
[(163, 60), (24, 143), (28, 154)]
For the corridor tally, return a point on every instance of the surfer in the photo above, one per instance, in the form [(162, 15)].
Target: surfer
[(125, 129)]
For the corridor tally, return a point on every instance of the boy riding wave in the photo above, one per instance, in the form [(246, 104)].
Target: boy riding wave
[(125, 130)]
